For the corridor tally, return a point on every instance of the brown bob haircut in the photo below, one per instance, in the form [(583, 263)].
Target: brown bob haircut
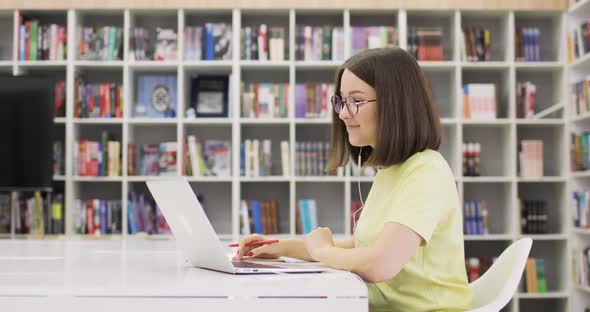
[(407, 118)]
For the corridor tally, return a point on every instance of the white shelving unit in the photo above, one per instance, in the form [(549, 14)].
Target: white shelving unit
[(499, 184), (577, 70)]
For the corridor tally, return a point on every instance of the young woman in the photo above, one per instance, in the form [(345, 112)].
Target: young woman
[(408, 243)]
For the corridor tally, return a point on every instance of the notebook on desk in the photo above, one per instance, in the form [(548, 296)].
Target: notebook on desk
[(195, 234)]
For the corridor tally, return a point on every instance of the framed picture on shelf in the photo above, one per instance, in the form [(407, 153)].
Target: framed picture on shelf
[(210, 96)]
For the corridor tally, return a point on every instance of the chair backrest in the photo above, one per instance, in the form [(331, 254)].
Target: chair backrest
[(495, 288)]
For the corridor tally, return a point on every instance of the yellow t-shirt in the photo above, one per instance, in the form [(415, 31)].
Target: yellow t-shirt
[(421, 194)]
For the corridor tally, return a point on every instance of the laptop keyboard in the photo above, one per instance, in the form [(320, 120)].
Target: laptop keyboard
[(250, 265)]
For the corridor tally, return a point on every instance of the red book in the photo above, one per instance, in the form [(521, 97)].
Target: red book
[(89, 217), (103, 104), (118, 102), (27, 40)]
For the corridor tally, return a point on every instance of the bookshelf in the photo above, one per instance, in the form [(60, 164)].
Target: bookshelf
[(577, 70), (499, 182)]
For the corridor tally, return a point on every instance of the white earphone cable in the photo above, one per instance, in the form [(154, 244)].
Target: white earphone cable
[(354, 224)]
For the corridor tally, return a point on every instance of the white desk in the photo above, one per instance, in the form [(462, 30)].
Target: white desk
[(153, 276)]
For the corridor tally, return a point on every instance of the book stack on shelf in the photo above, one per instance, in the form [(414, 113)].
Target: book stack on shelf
[(475, 217), (577, 41), (256, 158), (144, 215), (476, 267), (39, 41), (97, 100), (311, 158), (530, 158), (580, 97), (425, 44), (581, 211), (144, 47), (534, 276), (533, 216), (373, 37), (479, 101), (154, 159), (306, 214), (476, 44), (264, 43), (581, 266), (265, 100), (259, 216), (100, 43), (527, 44), (471, 159), (319, 43), (98, 158), (209, 42), (97, 216), (210, 158), (36, 213), (312, 100)]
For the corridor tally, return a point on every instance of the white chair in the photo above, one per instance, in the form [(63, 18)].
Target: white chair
[(495, 288)]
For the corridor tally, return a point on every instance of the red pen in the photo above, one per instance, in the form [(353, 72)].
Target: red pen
[(256, 243)]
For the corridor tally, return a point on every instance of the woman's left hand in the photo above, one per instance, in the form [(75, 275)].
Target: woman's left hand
[(318, 239)]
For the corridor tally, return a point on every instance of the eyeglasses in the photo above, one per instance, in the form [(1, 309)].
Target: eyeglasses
[(351, 104)]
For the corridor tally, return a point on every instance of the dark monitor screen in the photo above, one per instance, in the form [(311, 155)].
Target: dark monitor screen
[(26, 133)]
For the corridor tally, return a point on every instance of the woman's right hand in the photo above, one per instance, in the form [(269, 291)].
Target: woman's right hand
[(268, 251)]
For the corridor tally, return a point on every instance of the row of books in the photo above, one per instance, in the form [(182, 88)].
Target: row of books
[(306, 216), (97, 100), (530, 158), (475, 217), (37, 213), (319, 43), (373, 37), (526, 93), (476, 44), (265, 100), (578, 41), (213, 41), (479, 101), (533, 216), (527, 44), (100, 43), (312, 100), (534, 280), (41, 42), (259, 216), (209, 158), (580, 151), (143, 46), (144, 215), (154, 159), (263, 43), (581, 210), (97, 216), (471, 159), (256, 158), (425, 44), (476, 267), (311, 158), (580, 96), (97, 158), (59, 99)]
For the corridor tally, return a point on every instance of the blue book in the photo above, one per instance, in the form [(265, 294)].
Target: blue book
[(257, 216), (478, 219), (242, 159), (103, 217), (209, 43), (131, 218), (22, 39), (157, 94), (300, 100)]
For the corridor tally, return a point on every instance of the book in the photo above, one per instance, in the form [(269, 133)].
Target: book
[(210, 95)]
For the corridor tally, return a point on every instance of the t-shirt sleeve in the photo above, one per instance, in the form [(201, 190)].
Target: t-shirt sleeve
[(419, 203)]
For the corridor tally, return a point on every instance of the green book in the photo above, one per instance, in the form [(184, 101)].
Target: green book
[(33, 40), (541, 280), (112, 41), (327, 43)]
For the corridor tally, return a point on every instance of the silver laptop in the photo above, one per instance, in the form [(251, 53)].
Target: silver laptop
[(195, 234)]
